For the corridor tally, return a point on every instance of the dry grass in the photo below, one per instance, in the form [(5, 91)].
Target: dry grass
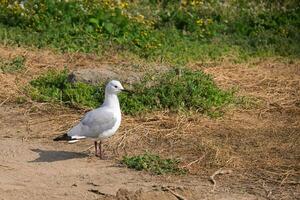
[(259, 142)]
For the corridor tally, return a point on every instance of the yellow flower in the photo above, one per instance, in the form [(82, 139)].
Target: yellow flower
[(123, 5), (196, 2), (199, 21), (141, 17)]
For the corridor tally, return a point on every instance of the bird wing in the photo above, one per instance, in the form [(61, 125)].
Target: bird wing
[(94, 123)]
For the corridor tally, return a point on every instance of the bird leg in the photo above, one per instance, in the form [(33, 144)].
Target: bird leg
[(100, 150), (97, 149)]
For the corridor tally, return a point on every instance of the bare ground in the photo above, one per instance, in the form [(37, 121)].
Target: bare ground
[(258, 141)]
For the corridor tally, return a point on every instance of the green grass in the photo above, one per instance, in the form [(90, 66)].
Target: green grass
[(153, 163), (54, 87), (14, 65), (176, 90), (165, 31)]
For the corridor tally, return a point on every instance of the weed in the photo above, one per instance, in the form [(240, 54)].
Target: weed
[(14, 65), (153, 163), (176, 90)]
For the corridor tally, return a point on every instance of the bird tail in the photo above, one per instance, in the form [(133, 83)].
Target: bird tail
[(70, 139)]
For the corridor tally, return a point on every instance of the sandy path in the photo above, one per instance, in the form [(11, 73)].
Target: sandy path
[(39, 170)]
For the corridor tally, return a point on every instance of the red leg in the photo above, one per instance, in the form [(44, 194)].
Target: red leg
[(96, 148), (100, 149)]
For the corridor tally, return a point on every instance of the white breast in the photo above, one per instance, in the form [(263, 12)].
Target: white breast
[(113, 130)]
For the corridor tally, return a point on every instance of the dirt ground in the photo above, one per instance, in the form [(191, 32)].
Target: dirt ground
[(257, 141)]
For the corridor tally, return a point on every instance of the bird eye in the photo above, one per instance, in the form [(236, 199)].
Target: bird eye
[(116, 86)]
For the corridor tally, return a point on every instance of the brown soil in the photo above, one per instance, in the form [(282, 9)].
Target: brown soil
[(258, 141)]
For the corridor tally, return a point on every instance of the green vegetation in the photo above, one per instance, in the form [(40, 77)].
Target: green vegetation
[(14, 65), (178, 89), (153, 163), (54, 87), (173, 31)]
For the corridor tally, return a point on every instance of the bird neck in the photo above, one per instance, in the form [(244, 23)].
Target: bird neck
[(111, 100)]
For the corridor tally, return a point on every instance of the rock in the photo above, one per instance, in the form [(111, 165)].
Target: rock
[(99, 75), (92, 76)]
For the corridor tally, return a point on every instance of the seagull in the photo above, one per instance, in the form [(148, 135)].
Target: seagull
[(99, 123)]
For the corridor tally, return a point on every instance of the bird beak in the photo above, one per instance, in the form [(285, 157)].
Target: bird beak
[(127, 91)]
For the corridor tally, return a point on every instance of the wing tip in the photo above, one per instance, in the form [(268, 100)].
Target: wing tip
[(63, 137), (66, 137)]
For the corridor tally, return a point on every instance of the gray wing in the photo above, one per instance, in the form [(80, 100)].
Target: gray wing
[(94, 123)]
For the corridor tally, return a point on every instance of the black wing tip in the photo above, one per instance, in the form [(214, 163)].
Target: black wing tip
[(63, 137)]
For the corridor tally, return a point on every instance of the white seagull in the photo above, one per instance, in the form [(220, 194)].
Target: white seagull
[(99, 123)]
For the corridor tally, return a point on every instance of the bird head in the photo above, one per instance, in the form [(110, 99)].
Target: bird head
[(114, 87)]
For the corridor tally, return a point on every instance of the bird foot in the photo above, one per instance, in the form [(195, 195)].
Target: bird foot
[(101, 155)]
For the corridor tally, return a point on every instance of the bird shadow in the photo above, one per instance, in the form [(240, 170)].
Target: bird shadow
[(53, 156)]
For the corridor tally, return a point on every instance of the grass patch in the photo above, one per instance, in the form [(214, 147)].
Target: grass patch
[(153, 163), (55, 87), (14, 65), (176, 90), (173, 31)]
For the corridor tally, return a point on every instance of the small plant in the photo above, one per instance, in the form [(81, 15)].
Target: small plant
[(153, 163), (54, 86), (178, 89), (14, 65)]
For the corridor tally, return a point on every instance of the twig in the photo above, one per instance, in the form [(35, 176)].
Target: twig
[(195, 161), (178, 196), (219, 171), (3, 102), (285, 178), (97, 192)]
